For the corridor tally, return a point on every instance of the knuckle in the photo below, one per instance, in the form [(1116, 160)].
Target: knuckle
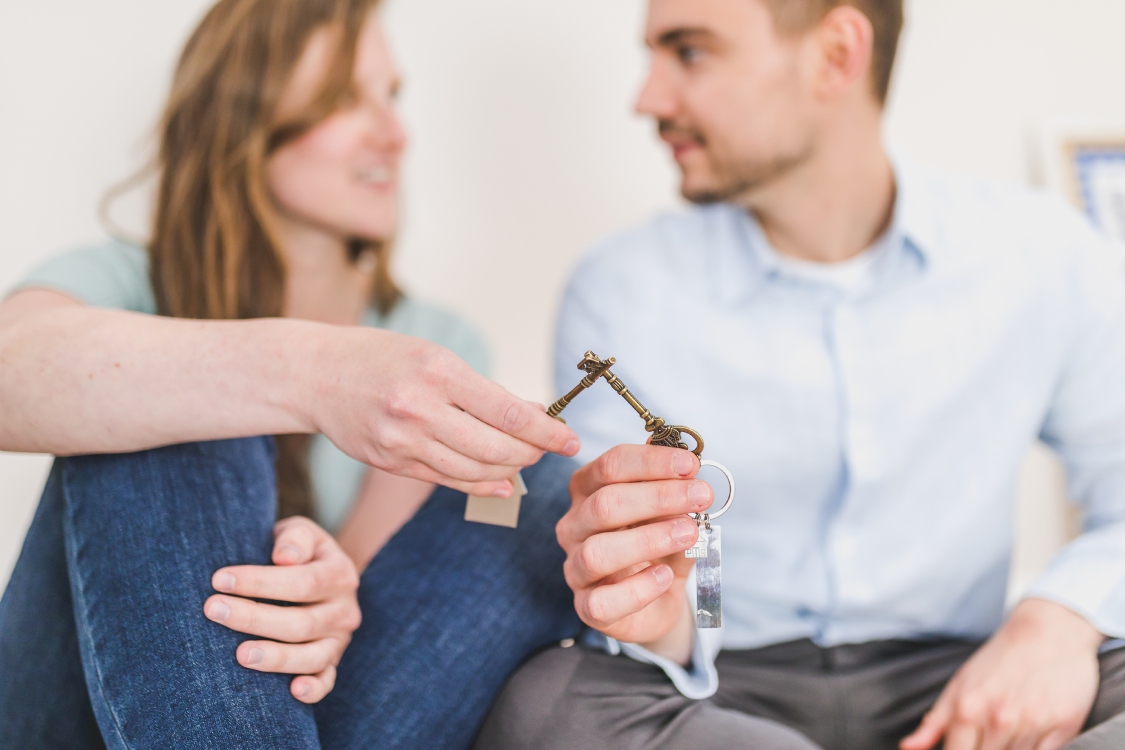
[(435, 365), (970, 709), (597, 610), (401, 405), (609, 465), (602, 507), (307, 626), (590, 558), (1003, 717), (493, 453), (562, 531), (352, 619), (515, 417)]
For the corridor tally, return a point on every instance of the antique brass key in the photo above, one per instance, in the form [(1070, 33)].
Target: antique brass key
[(662, 434), (707, 551)]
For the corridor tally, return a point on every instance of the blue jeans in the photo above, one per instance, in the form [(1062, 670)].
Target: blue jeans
[(103, 642)]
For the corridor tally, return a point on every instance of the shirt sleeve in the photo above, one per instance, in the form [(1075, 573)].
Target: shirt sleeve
[(1086, 426), (113, 276)]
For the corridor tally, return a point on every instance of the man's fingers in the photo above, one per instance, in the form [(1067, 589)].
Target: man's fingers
[(295, 541), (620, 505), (288, 658), (604, 554), (932, 728), (963, 737), (313, 688), (314, 582), (1056, 739), (493, 405), (1000, 731), (287, 624), (606, 605), (634, 463)]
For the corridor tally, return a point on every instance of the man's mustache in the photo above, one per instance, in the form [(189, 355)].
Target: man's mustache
[(671, 129)]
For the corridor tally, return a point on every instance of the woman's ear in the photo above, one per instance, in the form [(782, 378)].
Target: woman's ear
[(845, 40)]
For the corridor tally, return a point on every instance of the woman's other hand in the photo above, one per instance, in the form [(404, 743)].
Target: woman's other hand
[(311, 571), (415, 409)]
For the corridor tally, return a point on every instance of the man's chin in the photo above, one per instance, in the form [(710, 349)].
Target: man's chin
[(704, 195)]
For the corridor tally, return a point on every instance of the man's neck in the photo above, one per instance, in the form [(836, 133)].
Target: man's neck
[(835, 204)]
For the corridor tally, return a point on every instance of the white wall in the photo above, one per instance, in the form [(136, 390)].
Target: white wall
[(524, 152)]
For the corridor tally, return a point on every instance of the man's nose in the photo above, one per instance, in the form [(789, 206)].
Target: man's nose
[(655, 98)]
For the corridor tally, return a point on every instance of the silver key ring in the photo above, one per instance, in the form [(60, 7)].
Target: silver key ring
[(699, 517)]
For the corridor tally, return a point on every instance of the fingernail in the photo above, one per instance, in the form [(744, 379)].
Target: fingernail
[(662, 574), (683, 531), (255, 657), (571, 448), (504, 492), (305, 691), (289, 553), (683, 463), (699, 494), (224, 582), (218, 611)]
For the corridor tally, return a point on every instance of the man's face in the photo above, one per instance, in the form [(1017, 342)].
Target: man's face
[(733, 99)]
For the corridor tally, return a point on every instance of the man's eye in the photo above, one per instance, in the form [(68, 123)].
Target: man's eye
[(689, 55)]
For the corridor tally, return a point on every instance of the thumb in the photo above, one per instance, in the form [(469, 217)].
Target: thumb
[(932, 728), (295, 541)]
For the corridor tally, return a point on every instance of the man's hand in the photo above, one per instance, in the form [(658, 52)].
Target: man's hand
[(625, 537), (1029, 688), (308, 640)]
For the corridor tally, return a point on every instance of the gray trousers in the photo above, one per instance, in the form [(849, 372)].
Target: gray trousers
[(792, 696)]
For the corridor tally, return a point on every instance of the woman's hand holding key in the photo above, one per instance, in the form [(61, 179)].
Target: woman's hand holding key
[(625, 537), (412, 408)]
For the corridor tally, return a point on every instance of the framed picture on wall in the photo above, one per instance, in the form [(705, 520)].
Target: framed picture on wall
[(1086, 163)]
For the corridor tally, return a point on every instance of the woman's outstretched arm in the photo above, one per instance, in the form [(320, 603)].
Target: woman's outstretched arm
[(75, 379)]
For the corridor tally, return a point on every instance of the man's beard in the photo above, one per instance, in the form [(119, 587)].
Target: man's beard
[(733, 176)]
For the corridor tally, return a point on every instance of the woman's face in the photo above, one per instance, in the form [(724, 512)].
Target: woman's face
[(342, 175)]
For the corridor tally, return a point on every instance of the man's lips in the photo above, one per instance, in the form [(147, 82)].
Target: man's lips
[(682, 147)]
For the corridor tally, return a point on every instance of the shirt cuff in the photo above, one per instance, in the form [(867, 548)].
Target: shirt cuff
[(1088, 577), (698, 682)]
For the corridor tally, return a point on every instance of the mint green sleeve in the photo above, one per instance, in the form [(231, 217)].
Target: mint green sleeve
[(114, 275), (441, 327)]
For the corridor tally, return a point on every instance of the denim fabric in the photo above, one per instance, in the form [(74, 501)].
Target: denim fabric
[(101, 627), (450, 609)]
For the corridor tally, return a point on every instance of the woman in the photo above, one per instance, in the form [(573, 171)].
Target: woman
[(263, 305)]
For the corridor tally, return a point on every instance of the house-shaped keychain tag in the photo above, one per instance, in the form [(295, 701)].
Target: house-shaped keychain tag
[(497, 511)]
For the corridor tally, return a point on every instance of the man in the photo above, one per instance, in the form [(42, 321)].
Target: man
[(871, 348)]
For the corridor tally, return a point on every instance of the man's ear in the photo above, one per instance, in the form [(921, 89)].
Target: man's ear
[(846, 39)]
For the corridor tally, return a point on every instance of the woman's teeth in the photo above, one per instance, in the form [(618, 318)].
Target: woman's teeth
[(376, 176)]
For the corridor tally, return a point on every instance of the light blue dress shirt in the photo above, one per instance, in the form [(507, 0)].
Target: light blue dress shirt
[(875, 426)]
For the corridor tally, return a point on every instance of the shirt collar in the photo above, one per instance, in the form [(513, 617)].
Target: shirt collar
[(751, 262)]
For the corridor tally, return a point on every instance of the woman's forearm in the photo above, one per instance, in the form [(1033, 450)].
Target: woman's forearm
[(81, 380)]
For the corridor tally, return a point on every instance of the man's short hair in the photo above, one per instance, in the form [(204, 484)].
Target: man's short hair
[(885, 16)]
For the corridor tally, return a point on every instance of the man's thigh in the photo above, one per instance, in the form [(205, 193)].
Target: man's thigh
[(565, 698), (1105, 727), (854, 697)]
